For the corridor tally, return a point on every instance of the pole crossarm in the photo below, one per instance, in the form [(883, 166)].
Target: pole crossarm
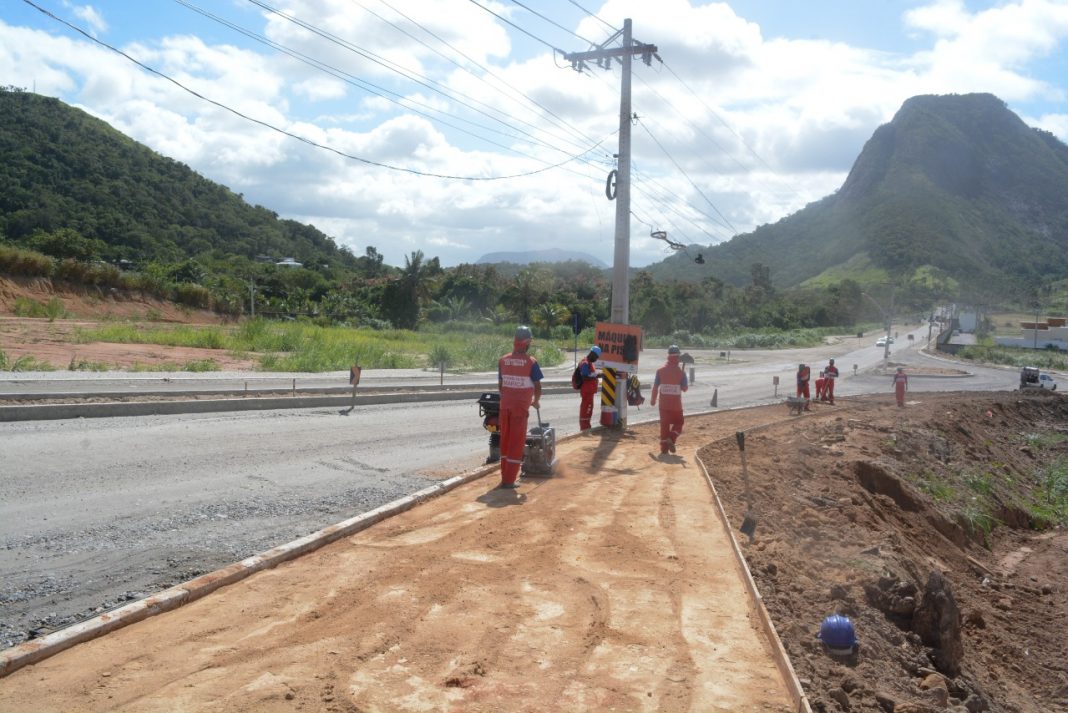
[(604, 55)]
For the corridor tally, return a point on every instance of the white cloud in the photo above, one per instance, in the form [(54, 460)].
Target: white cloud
[(89, 15)]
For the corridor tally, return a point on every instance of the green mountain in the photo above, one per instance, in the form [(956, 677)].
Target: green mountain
[(955, 188), (62, 168)]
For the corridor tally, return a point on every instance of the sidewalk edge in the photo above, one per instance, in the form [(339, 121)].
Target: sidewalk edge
[(782, 659)]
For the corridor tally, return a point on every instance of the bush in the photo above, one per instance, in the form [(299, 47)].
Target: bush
[(54, 309), (99, 274), (26, 307), (192, 295), (25, 263), (440, 356)]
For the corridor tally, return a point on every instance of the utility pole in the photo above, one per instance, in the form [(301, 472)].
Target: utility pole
[(603, 56)]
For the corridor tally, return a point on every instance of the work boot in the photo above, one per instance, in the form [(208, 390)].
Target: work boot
[(671, 447), (508, 486)]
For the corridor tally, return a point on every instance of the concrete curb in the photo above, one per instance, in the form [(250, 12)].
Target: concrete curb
[(31, 652), (782, 659), (51, 412)]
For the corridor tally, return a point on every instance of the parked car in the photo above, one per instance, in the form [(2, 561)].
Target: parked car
[(1032, 378), (882, 341)]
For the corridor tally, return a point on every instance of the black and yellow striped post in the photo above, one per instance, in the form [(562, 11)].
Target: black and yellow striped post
[(609, 397)]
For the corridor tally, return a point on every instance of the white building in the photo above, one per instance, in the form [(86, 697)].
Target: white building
[(1053, 332)]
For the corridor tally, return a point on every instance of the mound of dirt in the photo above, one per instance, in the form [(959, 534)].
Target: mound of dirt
[(97, 303), (55, 342), (923, 526)]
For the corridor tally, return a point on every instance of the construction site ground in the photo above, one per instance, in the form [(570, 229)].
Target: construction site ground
[(611, 586)]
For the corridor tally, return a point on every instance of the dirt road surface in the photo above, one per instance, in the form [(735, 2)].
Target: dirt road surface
[(610, 586)]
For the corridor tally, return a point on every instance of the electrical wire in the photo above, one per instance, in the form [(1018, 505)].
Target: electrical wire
[(371, 88), (683, 172), (410, 75), (595, 17), (558, 120), (666, 204), (554, 23), (290, 134), (396, 98), (509, 22), (682, 115), (718, 117)]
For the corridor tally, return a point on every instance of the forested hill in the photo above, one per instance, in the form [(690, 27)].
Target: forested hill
[(954, 186), (62, 168)]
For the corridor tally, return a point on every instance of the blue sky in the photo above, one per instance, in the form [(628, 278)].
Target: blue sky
[(759, 107)]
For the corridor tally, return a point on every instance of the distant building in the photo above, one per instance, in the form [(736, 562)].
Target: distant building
[(288, 262), (1041, 335)]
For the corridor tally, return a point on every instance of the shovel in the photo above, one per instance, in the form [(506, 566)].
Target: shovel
[(749, 522)]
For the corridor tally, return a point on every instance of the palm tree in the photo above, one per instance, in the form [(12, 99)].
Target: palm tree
[(547, 315)]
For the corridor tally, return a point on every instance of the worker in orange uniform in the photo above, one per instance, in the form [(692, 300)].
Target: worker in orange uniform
[(669, 383), (519, 380), (589, 374), (901, 385), (804, 373), (830, 374), (821, 384)]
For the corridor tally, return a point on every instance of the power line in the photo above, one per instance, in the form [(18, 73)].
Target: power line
[(683, 172), (696, 128), (595, 17), (553, 23), (558, 120), (509, 22), (422, 80), (718, 117), (288, 133), (667, 206), (371, 88)]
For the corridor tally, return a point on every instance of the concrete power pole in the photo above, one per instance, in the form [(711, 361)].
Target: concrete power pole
[(603, 56)]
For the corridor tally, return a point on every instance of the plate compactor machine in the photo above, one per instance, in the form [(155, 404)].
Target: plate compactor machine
[(539, 453)]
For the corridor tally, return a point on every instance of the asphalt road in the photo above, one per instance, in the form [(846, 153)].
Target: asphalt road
[(96, 512)]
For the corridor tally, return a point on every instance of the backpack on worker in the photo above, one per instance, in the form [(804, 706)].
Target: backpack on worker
[(576, 378), (634, 391)]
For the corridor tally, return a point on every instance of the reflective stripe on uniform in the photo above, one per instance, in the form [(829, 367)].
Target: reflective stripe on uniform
[(511, 381), (670, 390)]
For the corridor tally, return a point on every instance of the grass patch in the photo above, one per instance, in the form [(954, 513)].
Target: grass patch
[(935, 486), (749, 338), (306, 347), (979, 482), (25, 362), (1047, 359), (1039, 441), (977, 520), (1050, 500), (83, 365), (196, 365)]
